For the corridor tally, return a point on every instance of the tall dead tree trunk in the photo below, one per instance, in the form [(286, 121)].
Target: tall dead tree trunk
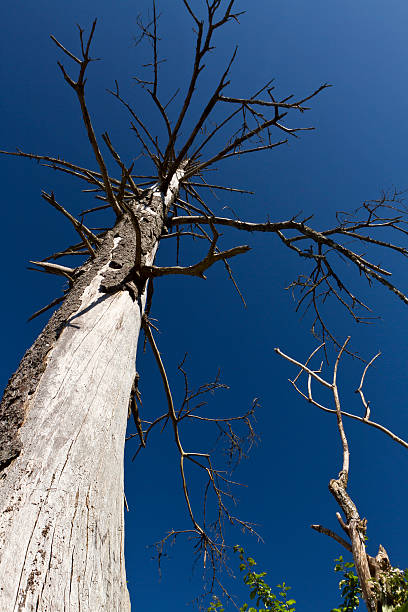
[(63, 421), (64, 412)]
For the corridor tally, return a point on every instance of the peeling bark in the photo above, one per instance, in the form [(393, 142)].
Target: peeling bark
[(356, 529), (62, 428)]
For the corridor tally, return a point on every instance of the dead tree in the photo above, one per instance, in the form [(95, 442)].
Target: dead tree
[(376, 575), (64, 412)]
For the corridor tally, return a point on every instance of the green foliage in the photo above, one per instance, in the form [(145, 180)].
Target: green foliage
[(399, 587), (216, 606), (260, 592), (348, 585), (393, 586)]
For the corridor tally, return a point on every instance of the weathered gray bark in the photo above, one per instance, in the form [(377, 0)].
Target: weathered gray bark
[(62, 428)]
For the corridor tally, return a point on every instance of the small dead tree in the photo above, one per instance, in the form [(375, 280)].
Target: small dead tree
[(64, 412), (376, 575)]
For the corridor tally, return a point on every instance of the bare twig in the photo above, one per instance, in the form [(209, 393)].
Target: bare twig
[(309, 397), (50, 305), (79, 87), (365, 403), (221, 187), (211, 546), (80, 227), (320, 249)]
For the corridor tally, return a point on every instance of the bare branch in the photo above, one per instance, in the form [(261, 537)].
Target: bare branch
[(365, 403), (87, 243), (209, 540), (309, 398), (354, 527), (332, 534), (55, 161), (220, 126), (204, 115), (50, 305), (79, 88), (75, 249), (221, 187), (346, 452), (248, 134), (199, 268), (252, 101), (304, 368), (52, 268), (71, 55), (320, 248), (95, 209), (136, 118), (80, 227)]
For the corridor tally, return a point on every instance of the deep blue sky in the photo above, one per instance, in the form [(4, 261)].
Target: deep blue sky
[(358, 148)]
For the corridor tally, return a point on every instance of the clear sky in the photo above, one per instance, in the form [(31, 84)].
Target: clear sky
[(358, 148)]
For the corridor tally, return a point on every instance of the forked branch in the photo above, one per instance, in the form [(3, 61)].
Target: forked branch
[(369, 569), (315, 374), (79, 87), (209, 536), (199, 268), (324, 249)]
